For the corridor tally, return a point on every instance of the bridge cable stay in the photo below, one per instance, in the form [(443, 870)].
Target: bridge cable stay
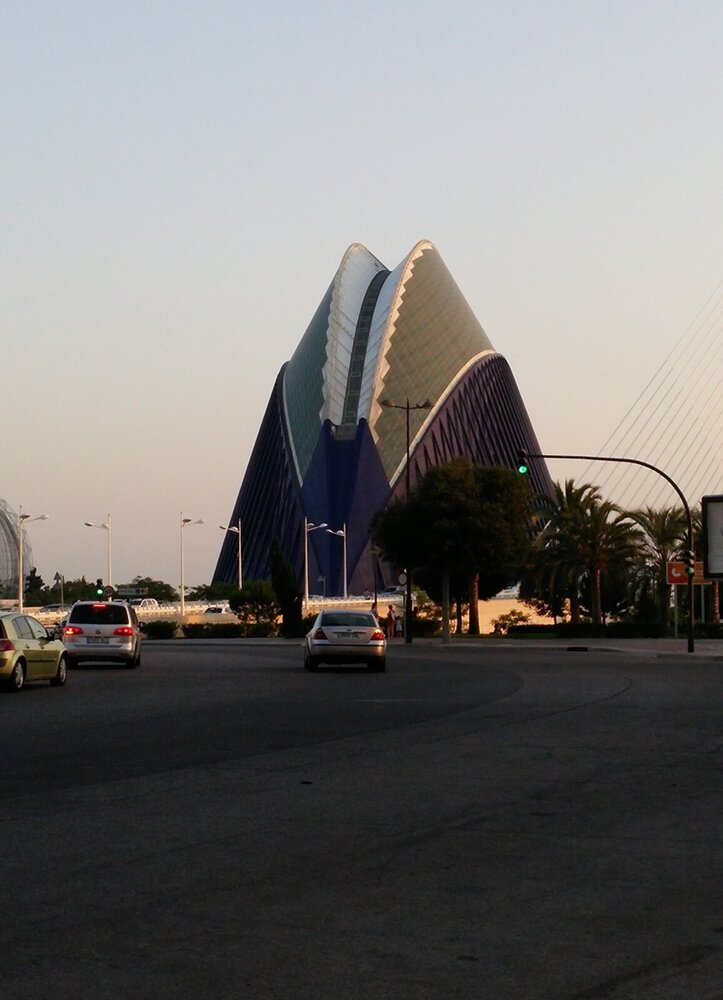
[(676, 422)]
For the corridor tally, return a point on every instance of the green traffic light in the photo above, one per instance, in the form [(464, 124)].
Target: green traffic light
[(522, 468)]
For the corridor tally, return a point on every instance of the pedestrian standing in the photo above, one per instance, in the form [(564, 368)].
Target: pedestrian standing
[(390, 621)]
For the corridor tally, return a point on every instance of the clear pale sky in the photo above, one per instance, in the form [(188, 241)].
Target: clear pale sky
[(181, 179)]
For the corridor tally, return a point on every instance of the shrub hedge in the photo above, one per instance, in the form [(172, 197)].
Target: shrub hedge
[(161, 628)]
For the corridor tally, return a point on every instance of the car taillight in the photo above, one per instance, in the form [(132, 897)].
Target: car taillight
[(6, 646), (378, 634), (123, 630), (72, 630), (319, 634)]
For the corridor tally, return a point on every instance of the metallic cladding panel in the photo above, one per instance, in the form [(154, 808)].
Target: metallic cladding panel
[(483, 419), (304, 386), (357, 271), (9, 548), (317, 376), (346, 485), (268, 503), (432, 334)]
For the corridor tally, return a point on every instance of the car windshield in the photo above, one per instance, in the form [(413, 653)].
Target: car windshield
[(346, 618), (99, 614)]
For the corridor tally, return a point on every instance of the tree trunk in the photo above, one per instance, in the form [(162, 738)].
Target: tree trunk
[(458, 612), (474, 604), (574, 607), (445, 605), (596, 596)]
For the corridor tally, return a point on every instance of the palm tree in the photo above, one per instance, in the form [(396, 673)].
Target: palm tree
[(555, 564), (664, 537), (584, 536), (606, 539)]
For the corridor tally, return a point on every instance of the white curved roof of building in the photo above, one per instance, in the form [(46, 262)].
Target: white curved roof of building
[(419, 340)]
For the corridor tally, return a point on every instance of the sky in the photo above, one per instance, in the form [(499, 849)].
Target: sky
[(179, 182)]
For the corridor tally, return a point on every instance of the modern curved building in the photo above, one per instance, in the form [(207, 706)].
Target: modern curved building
[(9, 527), (332, 452)]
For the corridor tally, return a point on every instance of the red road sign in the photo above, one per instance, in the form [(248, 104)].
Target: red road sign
[(677, 574)]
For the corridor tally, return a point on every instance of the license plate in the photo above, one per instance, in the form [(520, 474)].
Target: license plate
[(98, 640), (348, 635)]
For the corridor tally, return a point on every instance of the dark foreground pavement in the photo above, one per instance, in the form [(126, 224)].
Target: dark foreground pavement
[(476, 823)]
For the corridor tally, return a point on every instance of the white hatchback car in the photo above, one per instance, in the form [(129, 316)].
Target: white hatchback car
[(103, 631)]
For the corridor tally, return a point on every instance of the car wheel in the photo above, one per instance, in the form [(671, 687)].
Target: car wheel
[(16, 681), (61, 674), (310, 662), (377, 666)]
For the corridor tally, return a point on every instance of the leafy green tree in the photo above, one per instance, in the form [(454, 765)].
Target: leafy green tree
[(35, 589), (462, 521), (155, 588), (212, 592), (283, 580), (255, 603)]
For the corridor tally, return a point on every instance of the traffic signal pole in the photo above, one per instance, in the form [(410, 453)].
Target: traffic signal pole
[(524, 456)]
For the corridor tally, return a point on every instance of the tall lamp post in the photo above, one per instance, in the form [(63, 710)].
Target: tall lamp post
[(22, 518), (105, 527), (407, 407), (308, 528), (236, 529), (185, 522), (341, 533), (522, 467)]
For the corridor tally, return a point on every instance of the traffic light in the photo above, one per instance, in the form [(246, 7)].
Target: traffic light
[(689, 560), (523, 463), (99, 588)]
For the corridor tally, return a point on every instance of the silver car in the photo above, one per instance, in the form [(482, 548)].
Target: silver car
[(345, 637), (103, 631)]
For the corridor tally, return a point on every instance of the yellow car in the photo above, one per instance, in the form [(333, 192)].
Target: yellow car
[(29, 653)]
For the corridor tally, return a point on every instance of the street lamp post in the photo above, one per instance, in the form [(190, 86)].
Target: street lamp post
[(236, 529), (185, 522), (22, 518), (407, 407), (341, 533), (308, 528), (523, 455), (105, 527)]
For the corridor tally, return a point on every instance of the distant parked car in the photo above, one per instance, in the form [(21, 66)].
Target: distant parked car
[(54, 609), (345, 637), (144, 603), (102, 631), (217, 609), (29, 653)]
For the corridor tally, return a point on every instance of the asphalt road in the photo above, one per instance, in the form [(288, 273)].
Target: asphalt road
[(475, 823)]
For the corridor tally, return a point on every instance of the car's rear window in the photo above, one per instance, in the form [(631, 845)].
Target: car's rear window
[(99, 614), (342, 618)]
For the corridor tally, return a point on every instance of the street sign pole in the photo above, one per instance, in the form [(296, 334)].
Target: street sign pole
[(675, 610)]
